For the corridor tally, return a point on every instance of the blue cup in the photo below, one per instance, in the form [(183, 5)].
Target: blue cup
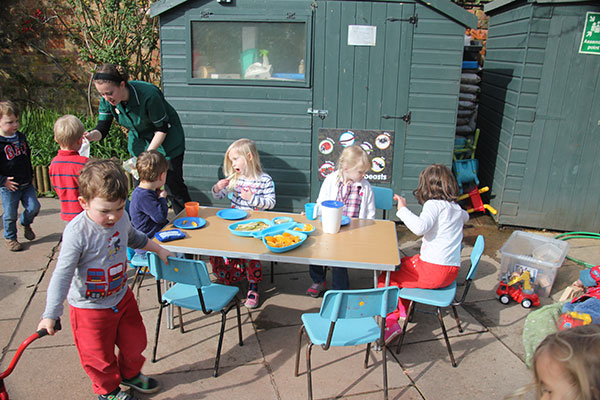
[(310, 209)]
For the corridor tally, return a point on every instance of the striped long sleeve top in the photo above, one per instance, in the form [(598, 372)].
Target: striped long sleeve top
[(263, 190)]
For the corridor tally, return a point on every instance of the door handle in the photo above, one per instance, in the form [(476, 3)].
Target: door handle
[(319, 113)]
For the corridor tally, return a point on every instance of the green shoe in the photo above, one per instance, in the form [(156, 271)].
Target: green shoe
[(120, 395), (142, 383)]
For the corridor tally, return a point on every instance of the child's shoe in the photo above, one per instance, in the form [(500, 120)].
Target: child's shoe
[(316, 289), (391, 333), (119, 395), (251, 299), (142, 383), (13, 245), (28, 232)]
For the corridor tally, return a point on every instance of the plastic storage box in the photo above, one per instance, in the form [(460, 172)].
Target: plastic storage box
[(540, 255)]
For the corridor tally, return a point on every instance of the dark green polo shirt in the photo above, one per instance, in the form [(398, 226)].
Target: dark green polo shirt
[(145, 112)]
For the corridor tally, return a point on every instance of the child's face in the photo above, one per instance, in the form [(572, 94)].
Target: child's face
[(238, 162), (112, 92), (553, 379), (103, 212), (9, 124), (354, 174)]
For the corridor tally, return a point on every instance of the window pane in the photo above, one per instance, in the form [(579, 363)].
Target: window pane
[(248, 50)]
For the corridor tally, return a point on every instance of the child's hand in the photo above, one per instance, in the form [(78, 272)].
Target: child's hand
[(222, 184), (93, 136), (161, 193), (246, 194), (401, 201), (47, 324), (163, 254), (11, 184)]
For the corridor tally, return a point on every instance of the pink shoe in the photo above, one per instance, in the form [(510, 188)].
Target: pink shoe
[(251, 299), (391, 333)]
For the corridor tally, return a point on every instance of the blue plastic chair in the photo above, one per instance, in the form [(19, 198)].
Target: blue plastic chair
[(193, 290), (442, 297), (346, 319), (384, 198), (140, 263)]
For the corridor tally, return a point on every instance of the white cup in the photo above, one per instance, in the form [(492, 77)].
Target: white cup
[(331, 215)]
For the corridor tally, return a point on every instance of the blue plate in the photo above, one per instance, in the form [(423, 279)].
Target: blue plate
[(189, 223), (301, 235), (232, 227), (345, 220), (301, 226), (232, 213)]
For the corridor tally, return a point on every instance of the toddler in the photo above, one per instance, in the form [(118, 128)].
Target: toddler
[(66, 166), (249, 189), (91, 274), (440, 223), (348, 185), (148, 208), (589, 302), (16, 174)]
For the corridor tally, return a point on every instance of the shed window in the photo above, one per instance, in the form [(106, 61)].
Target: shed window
[(273, 51)]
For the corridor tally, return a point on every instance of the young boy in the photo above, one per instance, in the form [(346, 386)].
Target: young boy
[(148, 208), (66, 166), (91, 270), (16, 176)]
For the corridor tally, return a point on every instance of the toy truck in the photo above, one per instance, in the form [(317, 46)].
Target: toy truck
[(518, 288)]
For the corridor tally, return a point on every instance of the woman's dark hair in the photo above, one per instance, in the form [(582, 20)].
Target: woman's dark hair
[(111, 73), (436, 182)]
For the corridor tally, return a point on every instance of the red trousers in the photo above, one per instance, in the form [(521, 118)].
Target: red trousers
[(229, 270), (97, 331), (416, 273)]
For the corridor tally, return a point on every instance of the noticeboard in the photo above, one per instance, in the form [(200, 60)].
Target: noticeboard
[(378, 144), (590, 39)]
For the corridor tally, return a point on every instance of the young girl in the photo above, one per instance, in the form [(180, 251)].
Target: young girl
[(251, 189), (346, 184), (440, 223), (566, 365)]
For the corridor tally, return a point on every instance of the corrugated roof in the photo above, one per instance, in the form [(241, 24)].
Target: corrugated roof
[(446, 7)]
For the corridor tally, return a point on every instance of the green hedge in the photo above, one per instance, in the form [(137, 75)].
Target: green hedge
[(38, 126)]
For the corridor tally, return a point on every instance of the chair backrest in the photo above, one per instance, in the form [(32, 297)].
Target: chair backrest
[(475, 257), (384, 197), (359, 303), (179, 270)]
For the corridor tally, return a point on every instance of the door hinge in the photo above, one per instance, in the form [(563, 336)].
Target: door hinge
[(405, 117), (413, 20), (319, 113)]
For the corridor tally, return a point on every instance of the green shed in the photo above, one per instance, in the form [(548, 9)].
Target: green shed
[(539, 113), (296, 75)]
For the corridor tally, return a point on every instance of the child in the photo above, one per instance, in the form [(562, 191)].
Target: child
[(91, 268), (347, 185), (440, 223), (251, 189), (66, 166), (589, 302), (148, 209), (567, 364), (16, 175)]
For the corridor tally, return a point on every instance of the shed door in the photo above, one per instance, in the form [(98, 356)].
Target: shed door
[(359, 84)]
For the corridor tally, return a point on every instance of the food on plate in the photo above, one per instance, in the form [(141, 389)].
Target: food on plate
[(252, 226), (305, 228), (281, 221), (283, 240)]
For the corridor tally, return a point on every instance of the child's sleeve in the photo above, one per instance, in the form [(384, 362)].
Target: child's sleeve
[(68, 260), (135, 238), (367, 205), (264, 197), (419, 225), (220, 194), (156, 208)]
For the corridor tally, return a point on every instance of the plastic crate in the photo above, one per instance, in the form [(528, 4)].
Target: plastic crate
[(540, 255)]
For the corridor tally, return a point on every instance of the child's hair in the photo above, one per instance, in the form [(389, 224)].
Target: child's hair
[(436, 182), (247, 149), (7, 107), (111, 73), (578, 351), (354, 157), (68, 130), (103, 178), (150, 164)]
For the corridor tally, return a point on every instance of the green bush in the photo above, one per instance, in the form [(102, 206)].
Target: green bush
[(38, 126)]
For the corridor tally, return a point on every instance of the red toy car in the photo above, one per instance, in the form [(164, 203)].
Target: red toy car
[(509, 290)]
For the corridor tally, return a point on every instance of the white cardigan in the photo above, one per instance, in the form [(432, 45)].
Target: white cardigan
[(329, 190)]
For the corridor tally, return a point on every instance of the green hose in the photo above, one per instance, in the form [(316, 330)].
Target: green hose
[(578, 235)]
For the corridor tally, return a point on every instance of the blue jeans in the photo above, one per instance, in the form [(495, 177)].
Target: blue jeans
[(339, 278), (26, 194)]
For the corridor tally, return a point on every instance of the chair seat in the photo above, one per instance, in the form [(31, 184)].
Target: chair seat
[(441, 297), (139, 260), (348, 332), (216, 296)]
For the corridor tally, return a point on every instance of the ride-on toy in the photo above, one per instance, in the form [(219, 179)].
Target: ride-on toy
[(523, 293), (22, 347)]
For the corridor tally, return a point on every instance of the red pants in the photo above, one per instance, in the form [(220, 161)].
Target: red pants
[(97, 331), (230, 270), (416, 273)]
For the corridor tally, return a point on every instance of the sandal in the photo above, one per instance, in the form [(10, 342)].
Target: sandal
[(251, 299)]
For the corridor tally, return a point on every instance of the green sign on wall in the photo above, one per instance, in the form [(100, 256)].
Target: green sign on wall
[(590, 40)]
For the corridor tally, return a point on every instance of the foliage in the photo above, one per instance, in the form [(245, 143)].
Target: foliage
[(38, 126), (113, 31)]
